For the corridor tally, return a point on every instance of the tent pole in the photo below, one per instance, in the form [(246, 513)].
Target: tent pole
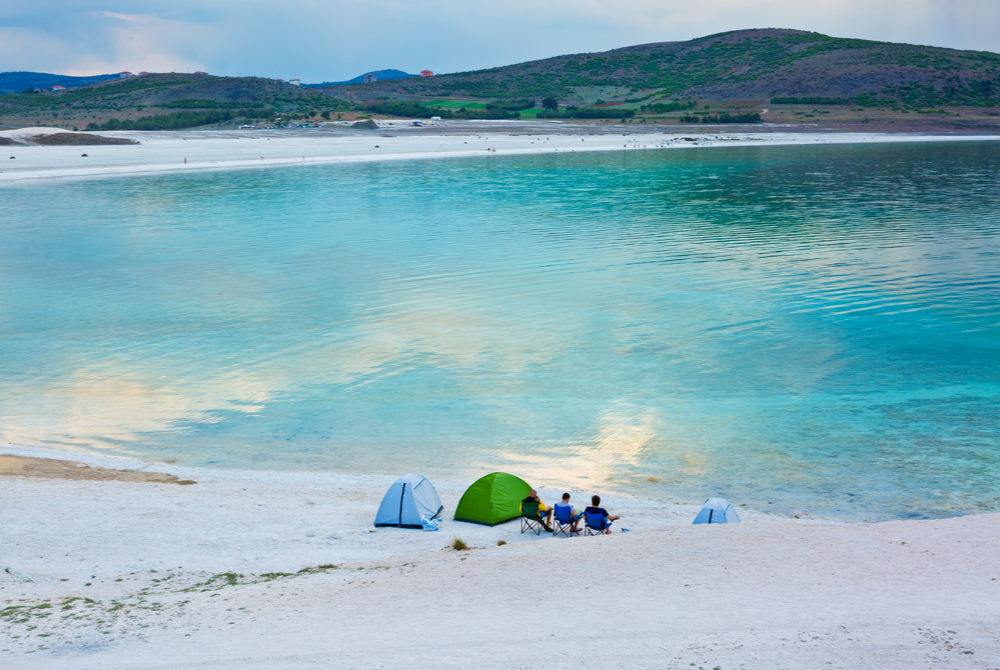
[(401, 496)]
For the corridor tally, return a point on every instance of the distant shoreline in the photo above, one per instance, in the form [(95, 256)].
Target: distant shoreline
[(201, 150)]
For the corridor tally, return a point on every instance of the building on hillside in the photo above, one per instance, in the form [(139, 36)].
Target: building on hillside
[(426, 73), (370, 78), (295, 82), (57, 88), (123, 75), (201, 72), (143, 73)]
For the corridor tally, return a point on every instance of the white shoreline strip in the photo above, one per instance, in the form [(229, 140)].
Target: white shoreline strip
[(124, 575), (320, 150)]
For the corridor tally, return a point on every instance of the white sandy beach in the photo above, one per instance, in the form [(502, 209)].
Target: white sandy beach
[(285, 570), (176, 151), (133, 575)]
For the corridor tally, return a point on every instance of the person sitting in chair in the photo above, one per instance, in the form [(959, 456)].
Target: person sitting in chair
[(595, 510), (544, 512), (573, 516)]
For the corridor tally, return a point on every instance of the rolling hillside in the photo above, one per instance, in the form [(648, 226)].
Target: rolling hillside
[(380, 74), (741, 65), (745, 76), (15, 82), (191, 99)]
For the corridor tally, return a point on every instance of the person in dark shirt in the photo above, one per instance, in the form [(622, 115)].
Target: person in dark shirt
[(596, 510)]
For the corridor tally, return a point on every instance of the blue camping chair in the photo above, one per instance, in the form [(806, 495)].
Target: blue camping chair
[(531, 520), (595, 524), (563, 520)]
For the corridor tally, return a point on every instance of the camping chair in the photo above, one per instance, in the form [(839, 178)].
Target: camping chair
[(530, 519), (595, 524), (563, 520)]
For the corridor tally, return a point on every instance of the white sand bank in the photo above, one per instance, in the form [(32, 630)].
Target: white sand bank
[(206, 150), (126, 575), (29, 133)]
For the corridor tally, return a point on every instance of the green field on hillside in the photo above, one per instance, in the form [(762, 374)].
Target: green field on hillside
[(530, 113)]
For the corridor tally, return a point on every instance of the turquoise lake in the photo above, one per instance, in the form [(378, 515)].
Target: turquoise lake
[(802, 329)]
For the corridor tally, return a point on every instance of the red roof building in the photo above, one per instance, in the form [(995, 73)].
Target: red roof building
[(370, 78), (426, 73)]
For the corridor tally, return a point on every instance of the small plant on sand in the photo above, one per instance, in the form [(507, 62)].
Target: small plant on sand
[(501, 543), (236, 579), (270, 576), (459, 545)]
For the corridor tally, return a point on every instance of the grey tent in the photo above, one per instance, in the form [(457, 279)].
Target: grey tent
[(716, 510)]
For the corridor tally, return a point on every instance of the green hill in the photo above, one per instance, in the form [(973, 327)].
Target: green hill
[(189, 99), (741, 65), (736, 77)]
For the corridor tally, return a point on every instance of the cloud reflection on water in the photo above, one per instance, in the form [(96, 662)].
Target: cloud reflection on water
[(644, 326)]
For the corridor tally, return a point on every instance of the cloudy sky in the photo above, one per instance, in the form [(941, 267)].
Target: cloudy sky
[(322, 40)]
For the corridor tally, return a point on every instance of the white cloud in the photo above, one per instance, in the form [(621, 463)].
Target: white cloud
[(146, 42), (103, 41), (339, 38)]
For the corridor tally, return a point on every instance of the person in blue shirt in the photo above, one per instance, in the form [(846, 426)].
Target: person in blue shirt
[(573, 516), (595, 509)]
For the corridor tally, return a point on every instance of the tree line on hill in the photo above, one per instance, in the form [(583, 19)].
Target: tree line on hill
[(673, 106), (178, 120), (572, 112), (417, 110), (722, 117), (189, 119)]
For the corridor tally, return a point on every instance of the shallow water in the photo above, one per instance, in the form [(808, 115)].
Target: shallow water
[(803, 329)]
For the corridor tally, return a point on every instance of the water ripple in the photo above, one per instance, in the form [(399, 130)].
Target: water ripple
[(800, 328)]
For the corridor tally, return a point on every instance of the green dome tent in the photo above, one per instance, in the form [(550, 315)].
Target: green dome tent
[(492, 499)]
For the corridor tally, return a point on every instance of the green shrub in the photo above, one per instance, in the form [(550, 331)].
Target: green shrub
[(724, 117), (512, 105), (809, 100), (588, 113), (175, 120), (664, 107)]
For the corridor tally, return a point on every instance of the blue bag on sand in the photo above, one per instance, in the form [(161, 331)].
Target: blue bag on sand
[(432, 524)]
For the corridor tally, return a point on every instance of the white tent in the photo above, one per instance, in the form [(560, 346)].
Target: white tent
[(411, 502), (717, 510)]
